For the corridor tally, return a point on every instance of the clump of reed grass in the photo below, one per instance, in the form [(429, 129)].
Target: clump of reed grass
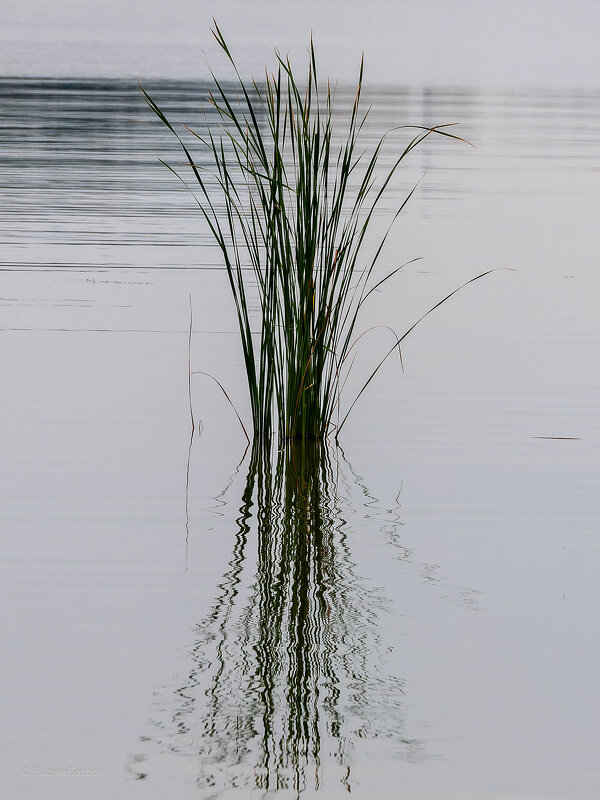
[(289, 199)]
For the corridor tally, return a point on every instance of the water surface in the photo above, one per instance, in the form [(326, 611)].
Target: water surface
[(417, 613)]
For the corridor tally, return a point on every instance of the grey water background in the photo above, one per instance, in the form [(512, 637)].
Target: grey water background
[(454, 596)]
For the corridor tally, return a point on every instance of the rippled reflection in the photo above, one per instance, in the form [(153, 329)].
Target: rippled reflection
[(287, 668)]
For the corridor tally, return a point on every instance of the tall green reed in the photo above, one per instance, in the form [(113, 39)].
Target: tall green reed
[(289, 200)]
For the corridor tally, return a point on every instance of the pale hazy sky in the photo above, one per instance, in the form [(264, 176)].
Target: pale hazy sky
[(515, 43)]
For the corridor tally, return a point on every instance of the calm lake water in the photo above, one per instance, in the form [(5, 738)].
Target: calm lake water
[(416, 615)]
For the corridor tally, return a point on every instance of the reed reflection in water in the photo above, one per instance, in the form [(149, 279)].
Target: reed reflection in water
[(288, 668)]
